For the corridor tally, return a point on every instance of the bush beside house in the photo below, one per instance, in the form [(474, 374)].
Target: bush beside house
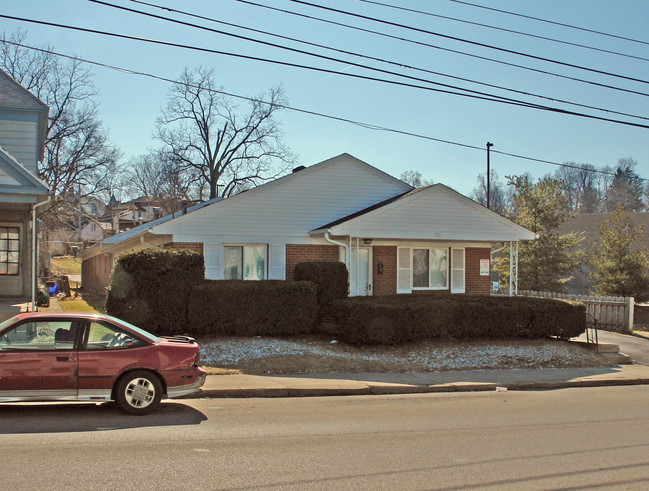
[(152, 288), (253, 308), (400, 319)]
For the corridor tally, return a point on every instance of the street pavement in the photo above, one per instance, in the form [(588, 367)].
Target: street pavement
[(338, 384)]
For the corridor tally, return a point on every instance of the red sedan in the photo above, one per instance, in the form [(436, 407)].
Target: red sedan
[(88, 357)]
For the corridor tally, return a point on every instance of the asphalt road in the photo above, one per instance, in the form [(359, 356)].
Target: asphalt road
[(565, 438)]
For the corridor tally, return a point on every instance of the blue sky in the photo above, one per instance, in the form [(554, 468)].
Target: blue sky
[(130, 104)]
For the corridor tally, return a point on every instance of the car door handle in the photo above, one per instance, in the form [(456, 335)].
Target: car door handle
[(62, 358)]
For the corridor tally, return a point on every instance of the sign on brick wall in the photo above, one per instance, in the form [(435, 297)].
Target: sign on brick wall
[(484, 267)]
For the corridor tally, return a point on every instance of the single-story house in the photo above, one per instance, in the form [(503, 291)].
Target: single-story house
[(23, 127), (392, 237)]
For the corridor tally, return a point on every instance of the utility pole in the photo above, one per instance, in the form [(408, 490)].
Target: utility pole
[(489, 145)]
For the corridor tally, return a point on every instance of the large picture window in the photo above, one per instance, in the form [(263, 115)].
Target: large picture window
[(422, 269), (244, 262), (9, 250)]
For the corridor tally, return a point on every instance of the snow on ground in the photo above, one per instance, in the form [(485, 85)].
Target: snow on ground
[(247, 353)]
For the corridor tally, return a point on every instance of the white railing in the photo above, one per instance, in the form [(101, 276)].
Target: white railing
[(611, 313)]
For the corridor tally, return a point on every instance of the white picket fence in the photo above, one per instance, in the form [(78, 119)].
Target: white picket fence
[(612, 313)]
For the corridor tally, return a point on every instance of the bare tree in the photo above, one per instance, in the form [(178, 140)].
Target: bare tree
[(499, 195), (415, 179), (581, 185), (203, 131), (626, 189), (77, 151)]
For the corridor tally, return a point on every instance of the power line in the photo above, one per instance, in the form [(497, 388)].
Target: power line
[(449, 50), (552, 22), (352, 53), (474, 43), (499, 99), (503, 29), (361, 124)]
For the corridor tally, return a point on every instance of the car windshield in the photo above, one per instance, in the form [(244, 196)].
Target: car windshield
[(8, 322), (147, 335)]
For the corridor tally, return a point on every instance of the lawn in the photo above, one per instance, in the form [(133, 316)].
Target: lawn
[(65, 265)]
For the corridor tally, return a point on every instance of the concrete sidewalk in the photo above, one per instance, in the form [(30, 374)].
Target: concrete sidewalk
[(409, 383)]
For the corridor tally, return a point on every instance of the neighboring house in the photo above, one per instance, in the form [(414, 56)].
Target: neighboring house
[(393, 238), (23, 127), (588, 224)]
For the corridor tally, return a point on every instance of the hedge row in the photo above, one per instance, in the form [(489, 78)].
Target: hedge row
[(253, 308), (330, 278), (400, 319), (152, 288)]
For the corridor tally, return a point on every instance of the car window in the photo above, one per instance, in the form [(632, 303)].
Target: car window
[(104, 336), (49, 335)]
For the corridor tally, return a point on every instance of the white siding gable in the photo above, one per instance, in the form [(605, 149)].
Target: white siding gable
[(433, 213), (5, 178), (20, 139), (289, 207)]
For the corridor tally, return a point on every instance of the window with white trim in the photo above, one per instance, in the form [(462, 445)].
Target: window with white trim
[(244, 262), (9, 250), (421, 268)]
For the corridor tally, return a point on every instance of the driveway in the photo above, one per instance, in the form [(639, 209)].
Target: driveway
[(636, 347)]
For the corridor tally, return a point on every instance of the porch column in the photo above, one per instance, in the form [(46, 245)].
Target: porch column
[(513, 269)]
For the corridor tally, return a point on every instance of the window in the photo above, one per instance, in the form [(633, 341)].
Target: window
[(41, 335), (103, 336), (422, 269), (9, 250), (244, 262)]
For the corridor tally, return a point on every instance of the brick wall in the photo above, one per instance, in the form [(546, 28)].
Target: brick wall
[(476, 284), (189, 246), (95, 272), (386, 283), (298, 253)]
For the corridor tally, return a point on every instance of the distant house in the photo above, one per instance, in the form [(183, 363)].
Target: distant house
[(588, 224), (393, 238), (23, 127)]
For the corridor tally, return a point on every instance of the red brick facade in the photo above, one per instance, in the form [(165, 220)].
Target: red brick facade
[(474, 283), (386, 283), (298, 253), (95, 272)]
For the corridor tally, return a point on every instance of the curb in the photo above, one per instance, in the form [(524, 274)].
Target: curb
[(385, 389)]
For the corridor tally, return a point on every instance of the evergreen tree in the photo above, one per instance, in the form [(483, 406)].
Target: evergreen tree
[(619, 266), (544, 264), (626, 188)]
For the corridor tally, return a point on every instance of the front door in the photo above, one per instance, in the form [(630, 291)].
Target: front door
[(360, 281), (38, 359)]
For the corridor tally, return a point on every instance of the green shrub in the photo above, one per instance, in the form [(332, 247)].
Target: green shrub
[(253, 308), (399, 319), (151, 288), (330, 278)]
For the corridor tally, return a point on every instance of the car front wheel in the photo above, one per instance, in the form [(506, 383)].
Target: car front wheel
[(138, 392)]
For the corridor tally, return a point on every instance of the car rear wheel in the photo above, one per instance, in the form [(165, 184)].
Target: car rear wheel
[(138, 392)]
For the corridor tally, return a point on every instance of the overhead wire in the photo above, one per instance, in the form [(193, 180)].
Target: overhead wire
[(474, 95), (382, 60), (441, 48), (593, 31), (503, 29), (473, 43), (361, 124)]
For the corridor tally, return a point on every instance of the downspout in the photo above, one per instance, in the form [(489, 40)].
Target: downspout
[(34, 258), (341, 244)]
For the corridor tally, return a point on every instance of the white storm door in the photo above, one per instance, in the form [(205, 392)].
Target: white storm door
[(360, 281)]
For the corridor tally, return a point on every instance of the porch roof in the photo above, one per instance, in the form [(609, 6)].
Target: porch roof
[(434, 212)]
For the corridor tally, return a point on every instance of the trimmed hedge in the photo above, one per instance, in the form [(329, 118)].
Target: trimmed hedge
[(330, 278), (400, 319), (151, 288), (252, 308)]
